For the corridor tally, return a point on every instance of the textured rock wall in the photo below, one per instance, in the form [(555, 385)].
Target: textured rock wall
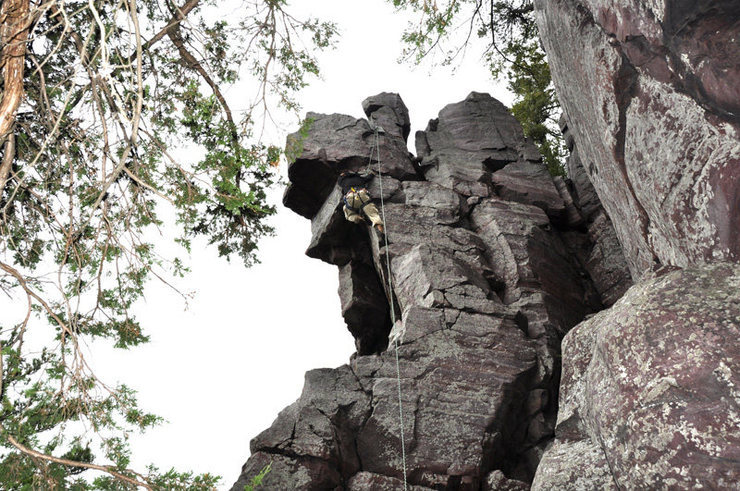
[(492, 262), (649, 396), (651, 94), (602, 253)]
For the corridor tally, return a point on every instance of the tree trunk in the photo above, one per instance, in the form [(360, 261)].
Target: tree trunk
[(14, 25)]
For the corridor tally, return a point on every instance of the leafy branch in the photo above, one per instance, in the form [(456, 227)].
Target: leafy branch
[(97, 96)]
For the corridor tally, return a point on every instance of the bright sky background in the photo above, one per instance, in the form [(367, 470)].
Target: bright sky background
[(221, 371)]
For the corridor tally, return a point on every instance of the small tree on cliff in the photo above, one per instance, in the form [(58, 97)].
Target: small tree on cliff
[(512, 49), (96, 94)]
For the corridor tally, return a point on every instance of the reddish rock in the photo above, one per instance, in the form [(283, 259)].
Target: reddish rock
[(649, 394), (651, 94)]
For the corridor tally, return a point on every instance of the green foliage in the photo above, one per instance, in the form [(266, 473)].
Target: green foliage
[(536, 103), (257, 480), (512, 50), (125, 124)]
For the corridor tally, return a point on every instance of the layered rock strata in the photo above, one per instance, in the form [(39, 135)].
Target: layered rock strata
[(651, 92), (486, 280)]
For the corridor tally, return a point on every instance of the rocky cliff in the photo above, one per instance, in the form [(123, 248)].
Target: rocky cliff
[(492, 262), (526, 356), (651, 91), (649, 393)]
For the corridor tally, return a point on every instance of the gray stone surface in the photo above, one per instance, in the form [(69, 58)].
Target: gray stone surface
[(484, 285), (468, 141), (600, 253), (652, 100), (529, 183), (531, 257), (650, 386), (574, 465), (497, 481), (388, 111), (363, 481), (330, 144), (365, 307)]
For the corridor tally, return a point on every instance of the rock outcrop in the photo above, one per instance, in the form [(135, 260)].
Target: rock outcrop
[(651, 94), (492, 262), (650, 392), (649, 396)]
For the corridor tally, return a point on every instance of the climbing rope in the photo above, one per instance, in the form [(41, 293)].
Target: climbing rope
[(390, 294)]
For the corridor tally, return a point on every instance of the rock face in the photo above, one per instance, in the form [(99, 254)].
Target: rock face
[(651, 94), (602, 254), (492, 262), (666, 358), (336, 142)]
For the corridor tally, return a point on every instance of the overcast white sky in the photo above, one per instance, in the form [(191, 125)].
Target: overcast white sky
[(221, 371)]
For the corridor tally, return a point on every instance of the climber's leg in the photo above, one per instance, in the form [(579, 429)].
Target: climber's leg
[(352, 215), (371, 211)]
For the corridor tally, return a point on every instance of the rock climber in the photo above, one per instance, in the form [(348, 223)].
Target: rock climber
[(357, 201)]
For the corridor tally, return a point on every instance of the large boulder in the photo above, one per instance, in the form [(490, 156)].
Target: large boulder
[(388, 111), (651, 94), (468, 141), (649, 394)]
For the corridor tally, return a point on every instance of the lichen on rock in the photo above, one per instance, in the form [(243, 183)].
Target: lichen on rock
[(650, 390)]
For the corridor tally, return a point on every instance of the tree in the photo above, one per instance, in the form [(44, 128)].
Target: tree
[(95, 95), (512, 49)]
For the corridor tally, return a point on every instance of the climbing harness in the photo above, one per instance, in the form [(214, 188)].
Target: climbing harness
[(350, 200), (390, 293)]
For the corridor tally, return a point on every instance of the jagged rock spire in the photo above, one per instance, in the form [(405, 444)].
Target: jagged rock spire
[(487, 279)]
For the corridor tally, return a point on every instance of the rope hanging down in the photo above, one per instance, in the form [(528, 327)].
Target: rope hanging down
[(390, 294)]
